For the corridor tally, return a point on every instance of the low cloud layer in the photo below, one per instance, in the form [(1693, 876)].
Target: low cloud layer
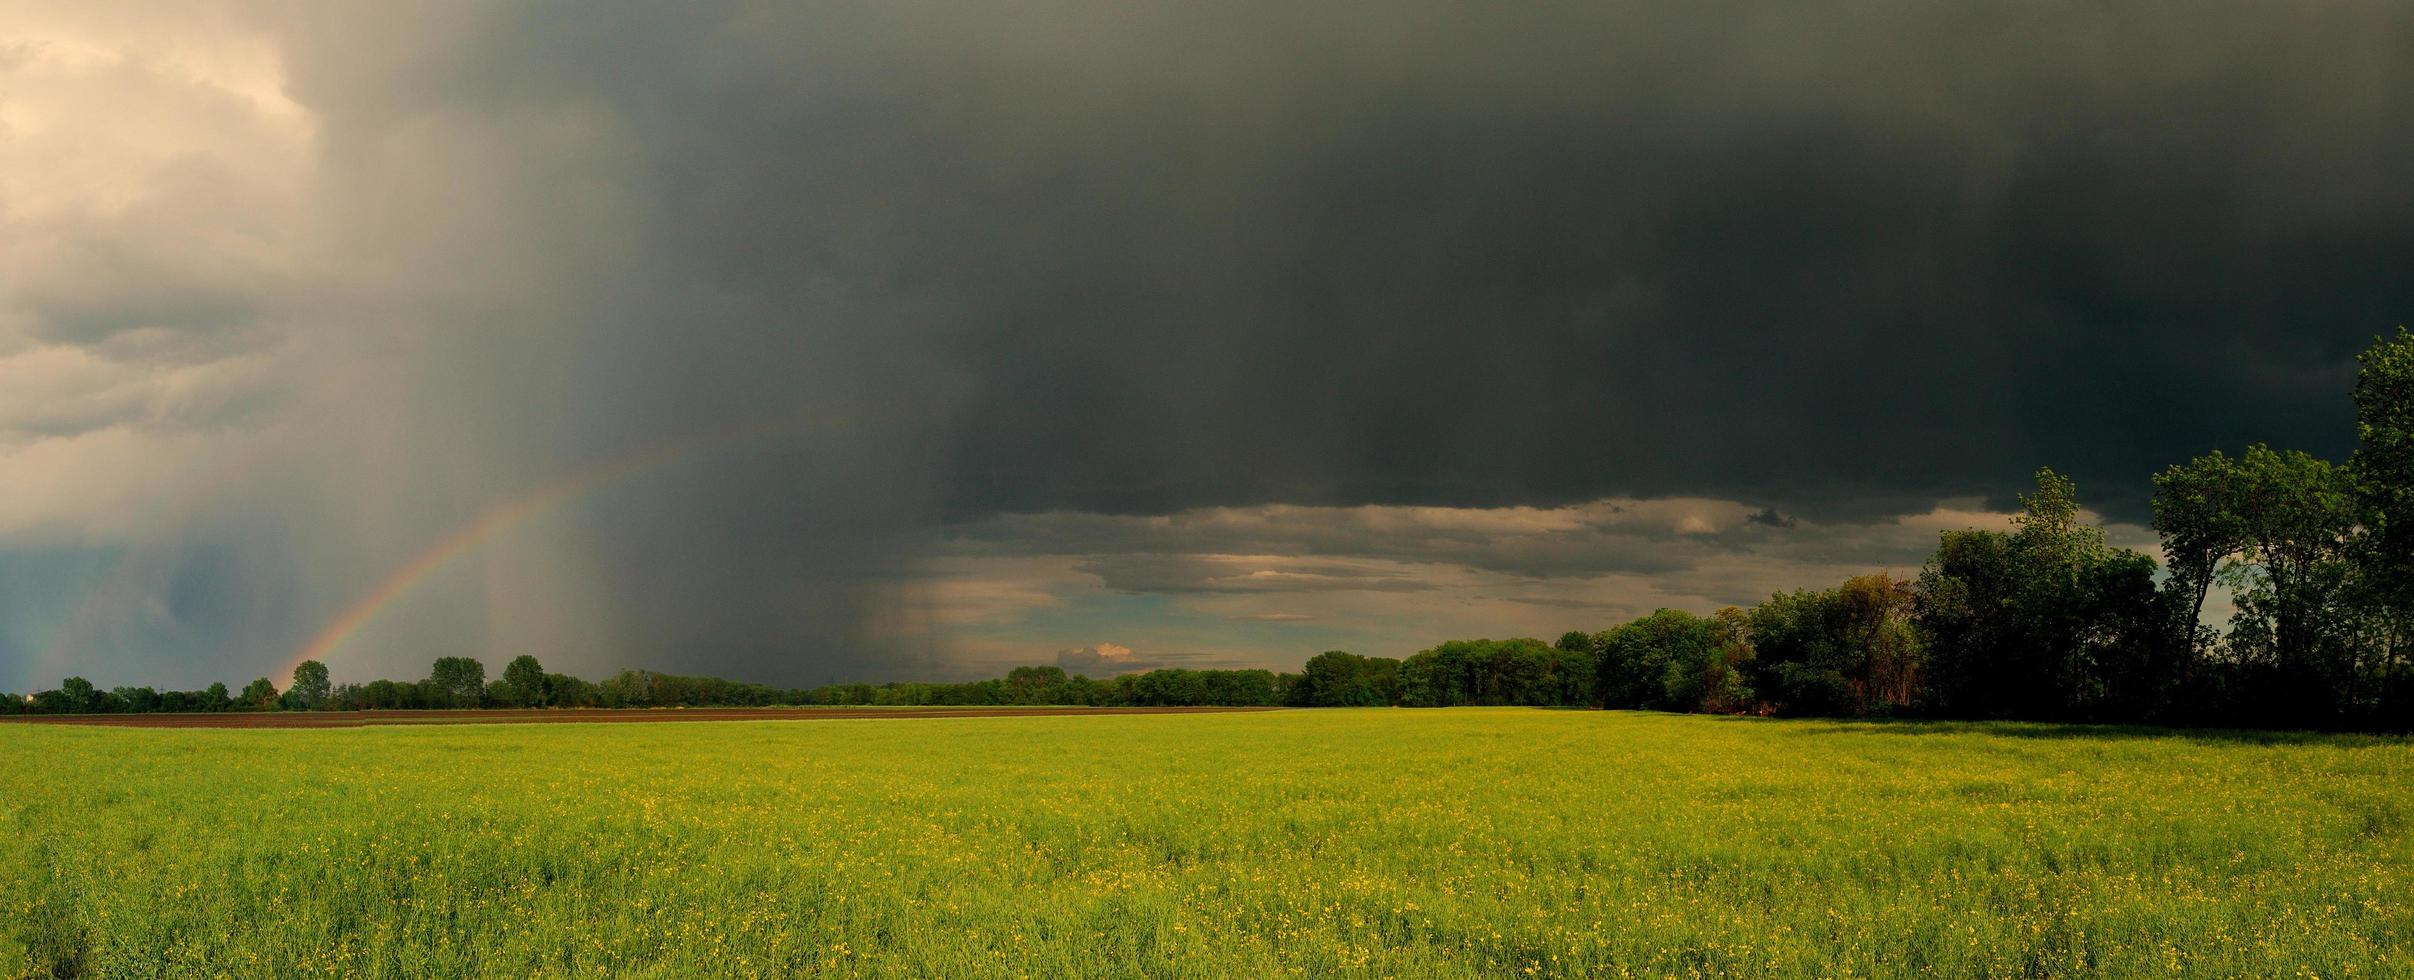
[(884, 319), (1287, 581)]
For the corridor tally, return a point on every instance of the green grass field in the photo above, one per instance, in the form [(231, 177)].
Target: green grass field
[(1469, 842)]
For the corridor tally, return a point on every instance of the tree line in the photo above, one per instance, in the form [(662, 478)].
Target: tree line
[(461, 683), (2045, 620), (452, 683)]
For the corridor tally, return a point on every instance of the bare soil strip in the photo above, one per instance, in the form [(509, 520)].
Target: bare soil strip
[(363, 719)]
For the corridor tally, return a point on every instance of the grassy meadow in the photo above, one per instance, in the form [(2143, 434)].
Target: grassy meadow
[(1380, 842)]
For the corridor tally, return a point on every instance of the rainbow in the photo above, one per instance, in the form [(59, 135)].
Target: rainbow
[(494, 521)]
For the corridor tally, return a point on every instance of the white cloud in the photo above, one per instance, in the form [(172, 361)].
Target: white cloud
[(151, 180), (1098, 660)]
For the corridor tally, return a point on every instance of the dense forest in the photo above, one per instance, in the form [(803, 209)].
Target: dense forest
[(2044, 620)]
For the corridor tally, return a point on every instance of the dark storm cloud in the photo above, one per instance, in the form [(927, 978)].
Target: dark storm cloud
[(1294, 549), (949, 260), (1845, 257), (1161, 553), (1770, 517)]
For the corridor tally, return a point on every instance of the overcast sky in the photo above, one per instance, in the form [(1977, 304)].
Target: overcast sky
[(802, 342)]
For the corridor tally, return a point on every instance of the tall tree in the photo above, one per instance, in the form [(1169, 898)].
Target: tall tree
[(457, 682), (565, 691), (1657, 661), (1037, 685), (79, 695), (2047, 621), (1578, 670), (260, 694), (1339, 679), (1718, 682), (311, 686), (1847, 650), (2293, 513), (524, 680), (2383, 471), (2196, 514), (2197, 518)]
